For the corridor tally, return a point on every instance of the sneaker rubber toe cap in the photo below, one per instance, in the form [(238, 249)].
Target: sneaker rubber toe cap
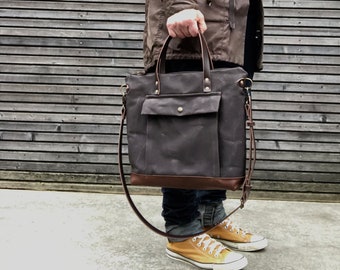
[(233, 261)]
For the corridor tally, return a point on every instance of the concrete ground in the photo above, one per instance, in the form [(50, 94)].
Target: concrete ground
[(72, 231)]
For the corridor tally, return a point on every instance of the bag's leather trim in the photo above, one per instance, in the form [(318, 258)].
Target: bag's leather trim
[(187, 182)]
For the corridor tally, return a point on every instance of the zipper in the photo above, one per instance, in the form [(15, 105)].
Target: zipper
[(231, 12)]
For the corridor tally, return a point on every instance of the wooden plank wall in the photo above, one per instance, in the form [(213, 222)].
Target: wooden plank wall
[(297, 99), (62, 64)]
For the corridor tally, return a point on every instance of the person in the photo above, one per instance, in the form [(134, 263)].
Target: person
[(233, 30)]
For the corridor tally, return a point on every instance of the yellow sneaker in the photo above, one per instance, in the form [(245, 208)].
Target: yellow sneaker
[(206, 253), (236, 238)]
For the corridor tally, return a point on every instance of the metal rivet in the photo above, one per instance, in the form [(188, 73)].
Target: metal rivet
[(180, 109), (245, 83), (207, 89)]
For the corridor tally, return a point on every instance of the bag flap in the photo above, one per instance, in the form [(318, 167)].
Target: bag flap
[(181, 105)]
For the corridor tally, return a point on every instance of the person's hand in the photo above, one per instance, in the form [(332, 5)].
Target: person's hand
[(186, 23)]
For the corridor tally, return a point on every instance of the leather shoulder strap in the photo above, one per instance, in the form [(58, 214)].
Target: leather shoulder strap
[(245, 189)]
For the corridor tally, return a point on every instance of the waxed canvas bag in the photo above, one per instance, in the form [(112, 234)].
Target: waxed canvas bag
[(188, 129)]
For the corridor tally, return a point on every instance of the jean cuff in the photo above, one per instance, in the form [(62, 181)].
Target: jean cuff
[(190, 228)]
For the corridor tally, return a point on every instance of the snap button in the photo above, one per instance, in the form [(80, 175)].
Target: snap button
[(180, 109)]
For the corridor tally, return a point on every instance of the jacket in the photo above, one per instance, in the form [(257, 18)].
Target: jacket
[(231, 24)]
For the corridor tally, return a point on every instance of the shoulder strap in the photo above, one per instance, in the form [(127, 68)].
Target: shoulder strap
[(246, 185)]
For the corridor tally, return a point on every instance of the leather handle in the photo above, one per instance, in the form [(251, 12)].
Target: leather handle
[(207, 63)]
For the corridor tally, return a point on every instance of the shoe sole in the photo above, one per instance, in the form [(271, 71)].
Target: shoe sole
[(254, 246), (237, 265)]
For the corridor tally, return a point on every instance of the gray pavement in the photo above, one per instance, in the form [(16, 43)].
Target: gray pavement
[(43, 230)]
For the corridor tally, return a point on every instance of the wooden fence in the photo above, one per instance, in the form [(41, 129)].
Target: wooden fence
[(62, 64)]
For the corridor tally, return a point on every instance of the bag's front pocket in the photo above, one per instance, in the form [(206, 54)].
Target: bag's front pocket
[(182, 134)]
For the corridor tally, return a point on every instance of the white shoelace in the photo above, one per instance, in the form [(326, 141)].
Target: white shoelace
[(234, 227), (210, 243)]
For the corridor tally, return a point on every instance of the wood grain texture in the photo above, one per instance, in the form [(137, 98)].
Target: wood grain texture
[(62, 64)]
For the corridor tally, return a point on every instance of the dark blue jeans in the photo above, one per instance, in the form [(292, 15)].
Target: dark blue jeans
[(189, 211)]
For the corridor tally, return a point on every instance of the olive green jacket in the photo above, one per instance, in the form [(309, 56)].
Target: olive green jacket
[(226, 21)]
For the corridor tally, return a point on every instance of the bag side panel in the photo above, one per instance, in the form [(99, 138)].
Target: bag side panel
[(232, 117), (139, 86)]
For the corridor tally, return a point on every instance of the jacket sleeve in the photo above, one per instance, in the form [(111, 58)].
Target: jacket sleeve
[(174, 6)]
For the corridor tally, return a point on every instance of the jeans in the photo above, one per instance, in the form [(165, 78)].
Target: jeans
[(189, 211)]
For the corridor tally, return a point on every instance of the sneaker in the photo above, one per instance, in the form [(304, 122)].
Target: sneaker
[(234, 237), (206, 253)]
